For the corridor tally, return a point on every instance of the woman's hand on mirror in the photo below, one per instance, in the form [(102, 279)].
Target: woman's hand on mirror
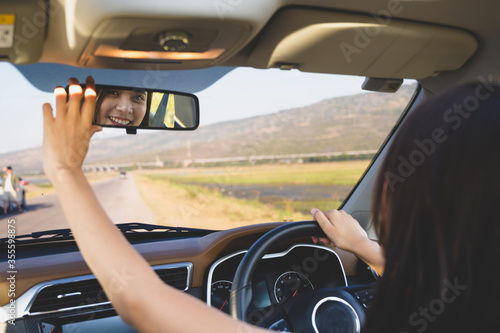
[(67, 134)]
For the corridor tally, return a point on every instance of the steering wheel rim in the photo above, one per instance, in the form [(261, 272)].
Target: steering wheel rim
[(241, 293)]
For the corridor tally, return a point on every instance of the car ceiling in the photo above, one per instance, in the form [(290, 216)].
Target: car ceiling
[(49, 75), (76, 28)]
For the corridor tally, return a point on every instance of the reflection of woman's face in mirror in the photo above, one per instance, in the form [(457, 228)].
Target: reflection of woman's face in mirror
[(121, 107)]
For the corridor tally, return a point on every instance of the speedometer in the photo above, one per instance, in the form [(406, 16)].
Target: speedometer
[(291, 284), (220, 295)]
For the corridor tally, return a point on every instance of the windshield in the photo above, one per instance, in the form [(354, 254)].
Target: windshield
[(271, 145)]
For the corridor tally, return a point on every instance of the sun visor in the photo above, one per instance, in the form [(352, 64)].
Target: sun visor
[(22, 30), (46, 77), (343, 43)]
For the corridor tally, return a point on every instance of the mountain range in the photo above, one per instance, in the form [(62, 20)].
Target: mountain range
[(349, 123)]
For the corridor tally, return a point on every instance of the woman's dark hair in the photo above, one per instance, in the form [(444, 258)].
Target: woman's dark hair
[(435, 208), (101, 94)]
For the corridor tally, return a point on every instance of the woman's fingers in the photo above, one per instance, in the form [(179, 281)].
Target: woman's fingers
[(72, 105), (75, 97), (88, 107), (95, 129), (325, 241), (322, 241), (324, 223), (61, 96), (48, 116), (67, 134), (341, 228)]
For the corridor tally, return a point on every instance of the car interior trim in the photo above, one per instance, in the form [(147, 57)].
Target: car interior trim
[(358, 201), (401, 49), (27, 299)]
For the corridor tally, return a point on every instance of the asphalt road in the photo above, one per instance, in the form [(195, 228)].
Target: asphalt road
[(119, 197)]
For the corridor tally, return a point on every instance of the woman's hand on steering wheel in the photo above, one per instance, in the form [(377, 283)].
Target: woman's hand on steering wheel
[(341, 228), (345, 233)]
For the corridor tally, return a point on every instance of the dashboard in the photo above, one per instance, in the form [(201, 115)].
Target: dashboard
[(57, 292), (278, 278)]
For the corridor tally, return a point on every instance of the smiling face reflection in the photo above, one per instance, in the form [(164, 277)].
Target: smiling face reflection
[(121, 107)]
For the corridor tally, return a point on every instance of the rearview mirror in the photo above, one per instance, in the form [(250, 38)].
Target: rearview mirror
[(133, 108)]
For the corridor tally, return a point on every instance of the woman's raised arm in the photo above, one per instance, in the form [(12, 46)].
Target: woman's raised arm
[(136, 292)]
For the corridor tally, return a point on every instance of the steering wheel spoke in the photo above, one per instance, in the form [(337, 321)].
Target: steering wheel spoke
[(273, 317)]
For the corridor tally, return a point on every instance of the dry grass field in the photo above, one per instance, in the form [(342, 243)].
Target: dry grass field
[(221, 198)]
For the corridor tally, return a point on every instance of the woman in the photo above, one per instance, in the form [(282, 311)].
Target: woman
[(435, 209), (438, 231), (122, 107)]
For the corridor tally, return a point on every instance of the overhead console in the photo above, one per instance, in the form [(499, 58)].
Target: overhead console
[(314, 40), (169, 44), (22, 30)]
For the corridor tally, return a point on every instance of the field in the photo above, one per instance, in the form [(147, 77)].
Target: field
[(220, 198), (44, 186)]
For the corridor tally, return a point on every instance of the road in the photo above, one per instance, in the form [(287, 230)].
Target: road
[(119, 197)]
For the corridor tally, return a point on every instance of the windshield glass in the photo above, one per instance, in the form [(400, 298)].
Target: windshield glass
[(271, 145)]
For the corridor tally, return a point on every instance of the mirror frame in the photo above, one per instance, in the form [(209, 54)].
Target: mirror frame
[(133, 129)]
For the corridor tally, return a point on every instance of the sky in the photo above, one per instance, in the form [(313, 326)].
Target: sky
[(242, 93)]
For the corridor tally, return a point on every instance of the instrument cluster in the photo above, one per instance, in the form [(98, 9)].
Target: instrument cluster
[(279, 277)]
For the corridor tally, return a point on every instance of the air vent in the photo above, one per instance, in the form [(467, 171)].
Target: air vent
[(175, 277), (67, 294)]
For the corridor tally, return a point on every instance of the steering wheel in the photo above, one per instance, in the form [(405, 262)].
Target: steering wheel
[(318, 311)]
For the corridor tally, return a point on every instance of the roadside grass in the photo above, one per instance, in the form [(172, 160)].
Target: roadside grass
[(176, 204), (332, 173), (304, 205), (180, 197), (36, 190)]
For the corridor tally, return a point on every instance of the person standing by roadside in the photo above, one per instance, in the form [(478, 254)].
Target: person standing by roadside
[(10, 186)]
